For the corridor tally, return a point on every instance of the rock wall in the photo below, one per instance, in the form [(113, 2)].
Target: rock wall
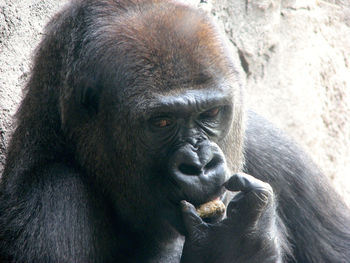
[(294, 57)]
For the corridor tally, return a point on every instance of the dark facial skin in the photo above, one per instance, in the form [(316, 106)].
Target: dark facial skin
[(182, 132), (185, 130)]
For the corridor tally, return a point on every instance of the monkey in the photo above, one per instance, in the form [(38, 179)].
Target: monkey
[(133, 117)]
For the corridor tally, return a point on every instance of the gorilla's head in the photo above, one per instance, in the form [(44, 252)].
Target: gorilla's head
[(152, 107)]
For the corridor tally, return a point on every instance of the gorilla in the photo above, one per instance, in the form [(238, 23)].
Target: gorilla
[(134, 116)]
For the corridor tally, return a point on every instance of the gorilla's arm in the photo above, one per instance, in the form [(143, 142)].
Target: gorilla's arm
[(55, 217), (317, 220)]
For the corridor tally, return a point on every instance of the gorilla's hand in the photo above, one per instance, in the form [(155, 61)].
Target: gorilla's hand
[(248, 234)]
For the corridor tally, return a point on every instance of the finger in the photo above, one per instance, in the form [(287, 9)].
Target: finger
[(191, 219), (253, 200), (245, 183), (249, 204)]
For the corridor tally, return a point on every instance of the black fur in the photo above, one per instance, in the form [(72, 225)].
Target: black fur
[(91, 177), (316, 217)]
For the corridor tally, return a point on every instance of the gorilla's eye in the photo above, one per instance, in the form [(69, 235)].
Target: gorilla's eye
[(212, 113), (161, 122)]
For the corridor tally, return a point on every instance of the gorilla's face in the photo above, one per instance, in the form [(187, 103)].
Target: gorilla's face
[(183, 131)]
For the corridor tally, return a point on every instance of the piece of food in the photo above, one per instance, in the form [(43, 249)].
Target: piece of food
[(211, 209)]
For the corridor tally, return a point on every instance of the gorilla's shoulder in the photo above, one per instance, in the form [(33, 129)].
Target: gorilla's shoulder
[(271, 153)]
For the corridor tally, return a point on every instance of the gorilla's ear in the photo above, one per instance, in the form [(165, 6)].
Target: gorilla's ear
[(89, 98)]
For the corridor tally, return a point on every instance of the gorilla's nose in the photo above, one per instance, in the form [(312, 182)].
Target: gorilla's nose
[(200, 161), (199, 171)]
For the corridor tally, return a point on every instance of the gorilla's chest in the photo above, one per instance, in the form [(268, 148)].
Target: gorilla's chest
[(171, 252)]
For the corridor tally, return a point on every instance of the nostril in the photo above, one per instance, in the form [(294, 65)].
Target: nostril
[(213, 163), (189, 169)]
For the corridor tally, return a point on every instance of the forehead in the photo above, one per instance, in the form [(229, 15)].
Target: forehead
[(168, 46)]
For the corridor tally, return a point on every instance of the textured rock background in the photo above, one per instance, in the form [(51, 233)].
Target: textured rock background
[(294, 57)]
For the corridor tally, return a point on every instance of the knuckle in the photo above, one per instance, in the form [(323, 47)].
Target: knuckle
[(268, 189), (265, 195)]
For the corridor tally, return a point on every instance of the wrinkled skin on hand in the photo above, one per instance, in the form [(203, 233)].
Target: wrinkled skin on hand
[(247, 234)]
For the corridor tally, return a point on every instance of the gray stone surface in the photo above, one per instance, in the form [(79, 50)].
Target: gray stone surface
[(294, 57)]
